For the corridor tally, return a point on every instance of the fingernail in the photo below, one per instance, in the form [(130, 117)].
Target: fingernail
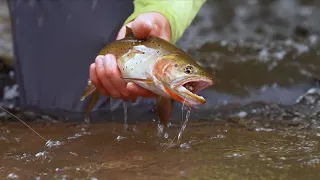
[(130, 85)]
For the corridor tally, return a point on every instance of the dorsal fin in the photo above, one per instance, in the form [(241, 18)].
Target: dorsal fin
[(129, 32)]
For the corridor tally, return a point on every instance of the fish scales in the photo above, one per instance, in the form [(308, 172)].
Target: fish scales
[(159, 66)]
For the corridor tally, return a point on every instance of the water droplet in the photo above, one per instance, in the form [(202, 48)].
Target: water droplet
[(53, 143), (185, 145), (39, 154), (120, 138), (242, 114), (166, 135), (219, 136), (12, 175)]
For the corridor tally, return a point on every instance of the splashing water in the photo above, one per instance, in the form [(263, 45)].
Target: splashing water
[(160, 130), (184, 124), (182, 108), (125, 112), (111, 103), (183, 127)]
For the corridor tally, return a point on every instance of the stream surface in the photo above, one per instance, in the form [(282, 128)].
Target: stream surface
[(208, 150), (261, 119)]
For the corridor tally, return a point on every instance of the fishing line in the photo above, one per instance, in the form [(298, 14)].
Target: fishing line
[(23, 123)]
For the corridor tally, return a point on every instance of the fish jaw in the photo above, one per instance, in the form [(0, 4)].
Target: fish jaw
[(186, 89)]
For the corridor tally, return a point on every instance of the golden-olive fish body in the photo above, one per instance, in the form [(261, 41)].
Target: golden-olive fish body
[(159, 66)]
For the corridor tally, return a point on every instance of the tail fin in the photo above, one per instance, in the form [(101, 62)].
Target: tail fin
[(89, 90)]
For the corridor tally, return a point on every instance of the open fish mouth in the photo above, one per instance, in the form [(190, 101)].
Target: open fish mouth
[(189, 88)]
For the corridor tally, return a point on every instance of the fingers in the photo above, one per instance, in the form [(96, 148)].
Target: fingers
[(142, 27), (151, 23), (96, 81), (103, 75), (113, 73), (106, 77), (146, 24), (122, 31)]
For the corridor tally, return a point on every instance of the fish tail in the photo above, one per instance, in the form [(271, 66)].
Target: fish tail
[(93, 100), (89, 90)]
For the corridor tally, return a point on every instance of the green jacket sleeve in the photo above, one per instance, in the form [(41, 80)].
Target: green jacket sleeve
[(179, 13)]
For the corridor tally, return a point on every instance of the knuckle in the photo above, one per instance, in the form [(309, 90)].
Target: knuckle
[(98, 57)]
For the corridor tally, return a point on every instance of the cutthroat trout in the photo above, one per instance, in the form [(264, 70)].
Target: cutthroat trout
[(159, 66)]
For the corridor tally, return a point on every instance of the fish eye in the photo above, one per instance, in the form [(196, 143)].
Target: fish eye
[(189, 70)]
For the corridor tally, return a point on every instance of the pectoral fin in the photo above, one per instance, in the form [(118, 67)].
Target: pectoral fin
[(164, 107)]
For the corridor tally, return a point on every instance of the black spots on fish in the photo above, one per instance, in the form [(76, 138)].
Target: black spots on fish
[(158, 52), (131, 69), (188, 70), (176, 65), (126, 67), (122, 68)]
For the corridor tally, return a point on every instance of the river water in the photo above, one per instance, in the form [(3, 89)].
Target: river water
[(261, 119)]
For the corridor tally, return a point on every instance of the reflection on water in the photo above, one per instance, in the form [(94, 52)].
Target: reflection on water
[(206, 151)]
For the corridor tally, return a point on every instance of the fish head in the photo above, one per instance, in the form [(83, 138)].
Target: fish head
[(182, 78)]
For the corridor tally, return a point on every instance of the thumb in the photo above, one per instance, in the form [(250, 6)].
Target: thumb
[(142, 27)]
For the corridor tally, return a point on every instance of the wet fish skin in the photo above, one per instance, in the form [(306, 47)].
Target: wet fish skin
[(159, 66)]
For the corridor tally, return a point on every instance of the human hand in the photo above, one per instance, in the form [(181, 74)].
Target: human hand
[(104, 72)]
